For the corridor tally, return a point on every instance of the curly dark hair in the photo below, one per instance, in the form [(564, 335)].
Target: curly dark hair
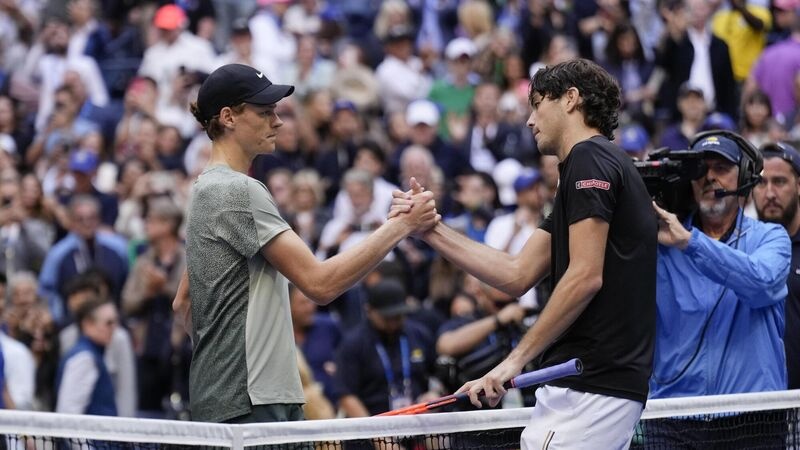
[(599, 90)]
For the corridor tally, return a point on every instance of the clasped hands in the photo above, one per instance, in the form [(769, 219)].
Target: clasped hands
[(416, 207)]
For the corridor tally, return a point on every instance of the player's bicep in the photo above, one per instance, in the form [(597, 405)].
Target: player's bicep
[(587, 246), (290, 256), (533, 261)]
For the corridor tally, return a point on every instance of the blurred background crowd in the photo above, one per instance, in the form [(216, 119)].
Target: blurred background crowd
[(98, 152)]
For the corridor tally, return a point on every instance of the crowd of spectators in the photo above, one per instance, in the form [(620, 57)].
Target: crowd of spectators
[(99, 151)]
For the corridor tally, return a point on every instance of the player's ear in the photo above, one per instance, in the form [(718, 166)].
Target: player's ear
[(573, 98), (227, 117)]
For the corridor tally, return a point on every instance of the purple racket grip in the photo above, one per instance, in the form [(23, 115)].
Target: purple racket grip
[(565, 369)]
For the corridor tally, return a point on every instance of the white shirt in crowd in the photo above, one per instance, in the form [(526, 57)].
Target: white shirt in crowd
[(20, 371), (336, 226), (77, 383), (163, 61), (401, 82), (273, 47), (50, 72), (381, 200), (702, 74), (500, 235), (120, 362)]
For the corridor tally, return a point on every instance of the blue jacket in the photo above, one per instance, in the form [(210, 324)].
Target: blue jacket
[(64, 261), (102, 402), (742, 350)]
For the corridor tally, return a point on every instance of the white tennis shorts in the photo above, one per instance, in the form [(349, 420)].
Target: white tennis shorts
[(568, 419)]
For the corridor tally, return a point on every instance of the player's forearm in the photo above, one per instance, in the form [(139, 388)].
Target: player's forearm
[(339, 273), (494, 267), (570, 298)]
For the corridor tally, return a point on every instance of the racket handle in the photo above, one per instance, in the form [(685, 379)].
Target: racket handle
[(565, 369)]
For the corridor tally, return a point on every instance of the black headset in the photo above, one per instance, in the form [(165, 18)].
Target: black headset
[(751, 163)]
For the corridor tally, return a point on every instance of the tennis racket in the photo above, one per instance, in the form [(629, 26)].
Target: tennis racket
[(565, 369)]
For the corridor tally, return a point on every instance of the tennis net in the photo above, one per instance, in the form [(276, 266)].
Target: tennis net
[(742, 421)]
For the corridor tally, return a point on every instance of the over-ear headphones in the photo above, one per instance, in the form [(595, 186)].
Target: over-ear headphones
[(750, 162)]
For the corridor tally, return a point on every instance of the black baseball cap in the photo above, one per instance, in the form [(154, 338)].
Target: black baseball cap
[(784, 151), (240, 26), (388, 298), (234, 84)]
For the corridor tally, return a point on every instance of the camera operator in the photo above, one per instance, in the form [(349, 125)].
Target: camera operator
[(721, 286)]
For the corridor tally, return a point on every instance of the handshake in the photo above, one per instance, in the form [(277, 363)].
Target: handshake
[(416, 208)]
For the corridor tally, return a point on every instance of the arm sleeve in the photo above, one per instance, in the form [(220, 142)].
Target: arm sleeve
[(268, 220), (592, 180), (77, 383), (547, 224), (251, 218), (759, 277)]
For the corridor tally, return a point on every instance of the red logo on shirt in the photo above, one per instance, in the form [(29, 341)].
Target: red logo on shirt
[(593, 184)]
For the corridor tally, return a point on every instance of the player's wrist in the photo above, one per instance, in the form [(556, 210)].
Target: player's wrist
[(429, 234), (401, 225)]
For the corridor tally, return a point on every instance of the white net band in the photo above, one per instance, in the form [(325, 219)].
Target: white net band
[(50, 425)]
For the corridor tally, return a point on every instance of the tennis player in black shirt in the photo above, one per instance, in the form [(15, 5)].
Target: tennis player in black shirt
[(599, 248)]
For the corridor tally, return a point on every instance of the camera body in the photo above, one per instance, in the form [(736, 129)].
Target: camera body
[(668, 174)]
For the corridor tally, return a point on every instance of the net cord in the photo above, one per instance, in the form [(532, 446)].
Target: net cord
[(239, 436), (28, 423)]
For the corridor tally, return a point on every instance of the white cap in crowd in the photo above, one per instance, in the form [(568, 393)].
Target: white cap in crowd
[(422, 112), (505, 173), (459, 47)]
